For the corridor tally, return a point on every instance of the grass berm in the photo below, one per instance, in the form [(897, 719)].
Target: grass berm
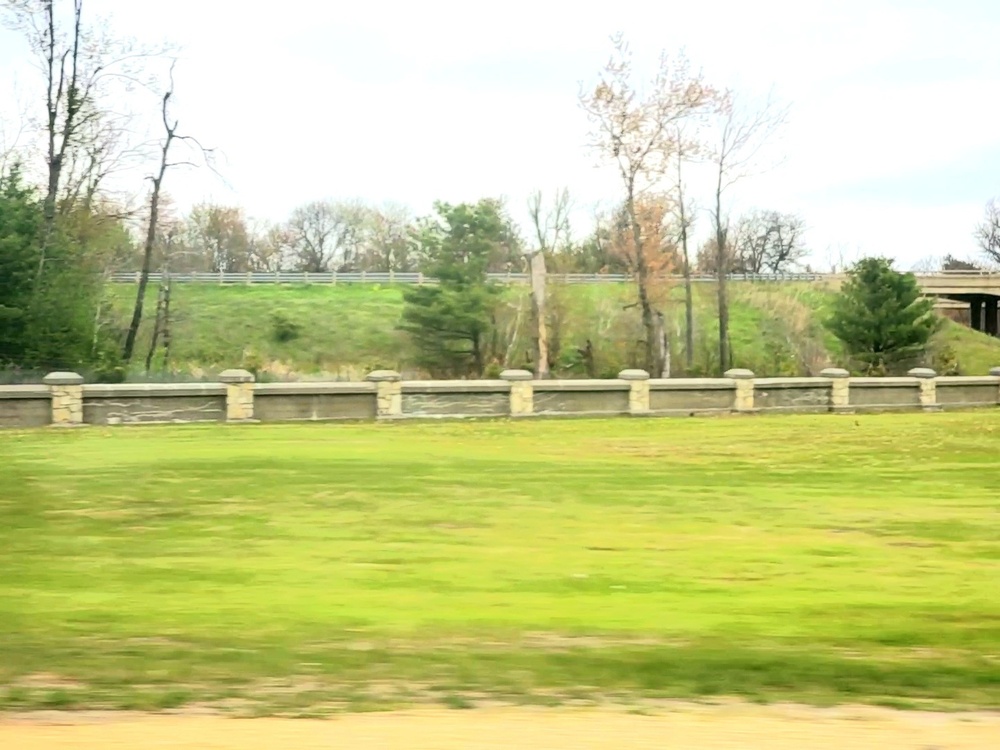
[(345, 331)]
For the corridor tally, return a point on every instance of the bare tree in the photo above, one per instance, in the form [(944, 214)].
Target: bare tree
[(551, 231), (221, 235), (77, 60), (388, 239), (687, 149), (987, 233), (170, 135), (270, 246), (103, 149), (767, 241), (636, 131), (741, 134), (654, 213), (9, 144), (328, 235)]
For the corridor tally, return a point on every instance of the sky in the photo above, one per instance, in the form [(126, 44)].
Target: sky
[(891, 146)]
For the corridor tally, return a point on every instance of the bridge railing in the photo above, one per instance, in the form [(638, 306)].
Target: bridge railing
[(383, 277)]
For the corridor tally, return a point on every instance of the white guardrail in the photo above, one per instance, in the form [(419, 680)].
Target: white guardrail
[(382, 277), (361, 277)]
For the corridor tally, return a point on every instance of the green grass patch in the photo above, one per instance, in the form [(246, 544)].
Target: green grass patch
[(285, 331), (311, 568)]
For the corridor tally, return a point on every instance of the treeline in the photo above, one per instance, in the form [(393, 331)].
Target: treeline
[(351, 236)]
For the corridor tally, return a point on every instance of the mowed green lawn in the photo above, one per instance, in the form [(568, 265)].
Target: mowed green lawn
[(318, 567)]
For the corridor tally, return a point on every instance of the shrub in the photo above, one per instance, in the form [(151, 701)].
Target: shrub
[(284, 330)]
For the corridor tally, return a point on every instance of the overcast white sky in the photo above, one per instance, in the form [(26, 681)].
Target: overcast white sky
[(893, 145)]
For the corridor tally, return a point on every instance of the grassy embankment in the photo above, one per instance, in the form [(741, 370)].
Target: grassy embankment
[(308, 569), (346, 331)]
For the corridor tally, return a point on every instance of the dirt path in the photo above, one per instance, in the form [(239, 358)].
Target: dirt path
[(739, 726)]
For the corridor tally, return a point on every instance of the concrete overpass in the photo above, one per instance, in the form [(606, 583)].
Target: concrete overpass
[(980, 290)]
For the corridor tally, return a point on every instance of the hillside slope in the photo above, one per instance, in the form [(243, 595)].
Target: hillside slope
[(294, 332)]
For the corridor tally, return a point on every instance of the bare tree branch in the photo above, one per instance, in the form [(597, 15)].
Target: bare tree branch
[(987, 233), (170, 135), (637, 131), (742, 133)]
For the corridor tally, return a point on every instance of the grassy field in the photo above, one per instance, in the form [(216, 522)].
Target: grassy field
[(347, 331), (306, 569)]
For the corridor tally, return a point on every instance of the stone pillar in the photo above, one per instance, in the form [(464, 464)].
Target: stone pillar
[(976, 313), (239, 394), (744, 389), (840, 388), (995, 372), (638, 390), (928, 387), (990, 315), (67, 398), (522, 395), (388, 393)]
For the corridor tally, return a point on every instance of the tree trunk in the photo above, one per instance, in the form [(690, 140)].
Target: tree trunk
[(688, 290), (156, 330), (688, 296), (166, 323), (663, 347), (477, 355), (653, 356), (721, 268), (538, 275), (147, 259), (154, 216)]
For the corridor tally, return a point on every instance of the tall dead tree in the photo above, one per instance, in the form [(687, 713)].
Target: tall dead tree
[(78, 62), (170, 135), (741, 134), (551, 229), (635, 129)]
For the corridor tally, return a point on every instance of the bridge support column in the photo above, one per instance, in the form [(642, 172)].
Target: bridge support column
[(976, 313), (990, 312)]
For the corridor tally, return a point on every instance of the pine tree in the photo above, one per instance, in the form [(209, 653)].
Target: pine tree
[(881, 318), (450, 324), (47, 310)]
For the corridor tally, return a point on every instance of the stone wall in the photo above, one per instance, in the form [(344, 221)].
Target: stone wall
[(64, 400), (154, 403), (25, 405), (311, 402)]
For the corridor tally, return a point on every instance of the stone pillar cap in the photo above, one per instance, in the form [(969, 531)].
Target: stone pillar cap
[(922, 372), (834, 372), (633, 375), (236, 376), (739, 374), (995, 371), (517, 375), (63, 378), (383, 376)]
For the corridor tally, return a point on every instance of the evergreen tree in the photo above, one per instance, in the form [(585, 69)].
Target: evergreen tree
[(47, 309), (880, 316), (451, 323), (20, 231)]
